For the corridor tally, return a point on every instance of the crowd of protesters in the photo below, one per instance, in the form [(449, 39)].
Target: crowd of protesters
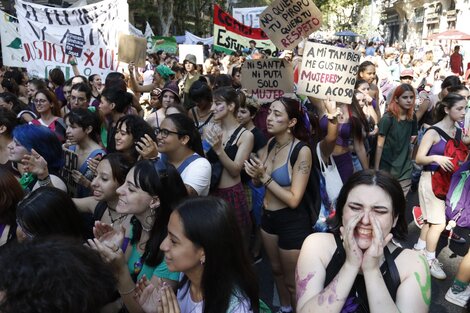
[(182, 179)]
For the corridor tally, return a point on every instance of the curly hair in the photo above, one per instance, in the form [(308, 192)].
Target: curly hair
[(54, 275)]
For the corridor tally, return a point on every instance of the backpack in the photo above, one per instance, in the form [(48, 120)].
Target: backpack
[(454, 149), (458, 197), (311, 200)]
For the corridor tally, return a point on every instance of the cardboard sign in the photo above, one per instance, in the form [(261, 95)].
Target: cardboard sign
[(132, 49), (44, 30), (230, 35), (288, 22), (328, 72), (267, 79), (74, 45), (71, 164), (197, 50)]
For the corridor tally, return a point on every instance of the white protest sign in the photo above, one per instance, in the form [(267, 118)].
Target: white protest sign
[(248, 16), (197, 50), (287, 22), (44, 32), (267, 79), (12, 48), (328, 72)]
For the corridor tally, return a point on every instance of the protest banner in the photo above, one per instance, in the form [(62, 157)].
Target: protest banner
[(248, 16), (132, 49), (44, 31), (230, 35), (74, 45), (191, 39), (71, 164), (197, 50), (167, 44), (267, 79), (287, 22), (328, 72), (12, 48)]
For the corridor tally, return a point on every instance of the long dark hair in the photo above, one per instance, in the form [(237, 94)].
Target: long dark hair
[(210, 224), (374, 178), (137, 127), (294, 110), (162, 180), (448, 102), (84, 118), (49, 211), (185, 127), (358, 119)]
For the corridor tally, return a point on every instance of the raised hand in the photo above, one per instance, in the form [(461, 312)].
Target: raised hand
[(169, 303), (147, 295), (35, 164), (353, 252), (80, 179), (147, 148)]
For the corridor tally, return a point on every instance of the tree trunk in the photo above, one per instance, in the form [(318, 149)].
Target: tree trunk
[(165, 15)]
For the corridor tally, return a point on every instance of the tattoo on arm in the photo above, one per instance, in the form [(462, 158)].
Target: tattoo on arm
[(302, 283), (304, 167), (425, 287)]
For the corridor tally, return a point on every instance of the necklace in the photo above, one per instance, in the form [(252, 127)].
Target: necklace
[(113, 220), (278, 149)]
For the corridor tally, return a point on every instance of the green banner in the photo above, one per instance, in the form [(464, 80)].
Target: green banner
[(167, 44)]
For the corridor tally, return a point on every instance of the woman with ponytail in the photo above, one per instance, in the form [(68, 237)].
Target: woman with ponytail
[(431, 155)]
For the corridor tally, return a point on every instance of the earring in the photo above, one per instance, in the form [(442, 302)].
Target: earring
[(288, 131), (202, 262)]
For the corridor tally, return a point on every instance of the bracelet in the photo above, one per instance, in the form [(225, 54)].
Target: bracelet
[(45, 182), (268, 182), (73, 63), (126, 292), (332, 116)]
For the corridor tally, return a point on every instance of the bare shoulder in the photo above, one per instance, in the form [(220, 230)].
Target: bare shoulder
[(319, 245)]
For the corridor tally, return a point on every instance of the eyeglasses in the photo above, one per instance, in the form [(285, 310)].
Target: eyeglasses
[(163, 132), (78, 99), (41, 101)]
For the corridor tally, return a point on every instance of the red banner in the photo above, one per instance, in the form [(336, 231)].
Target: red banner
[(223, 19)]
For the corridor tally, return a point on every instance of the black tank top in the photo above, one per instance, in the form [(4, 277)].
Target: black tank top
[(357, 298)]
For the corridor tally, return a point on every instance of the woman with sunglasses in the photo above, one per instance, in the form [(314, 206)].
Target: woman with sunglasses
[(230, 148), (150, 191), (180, 144), (284, 226)]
